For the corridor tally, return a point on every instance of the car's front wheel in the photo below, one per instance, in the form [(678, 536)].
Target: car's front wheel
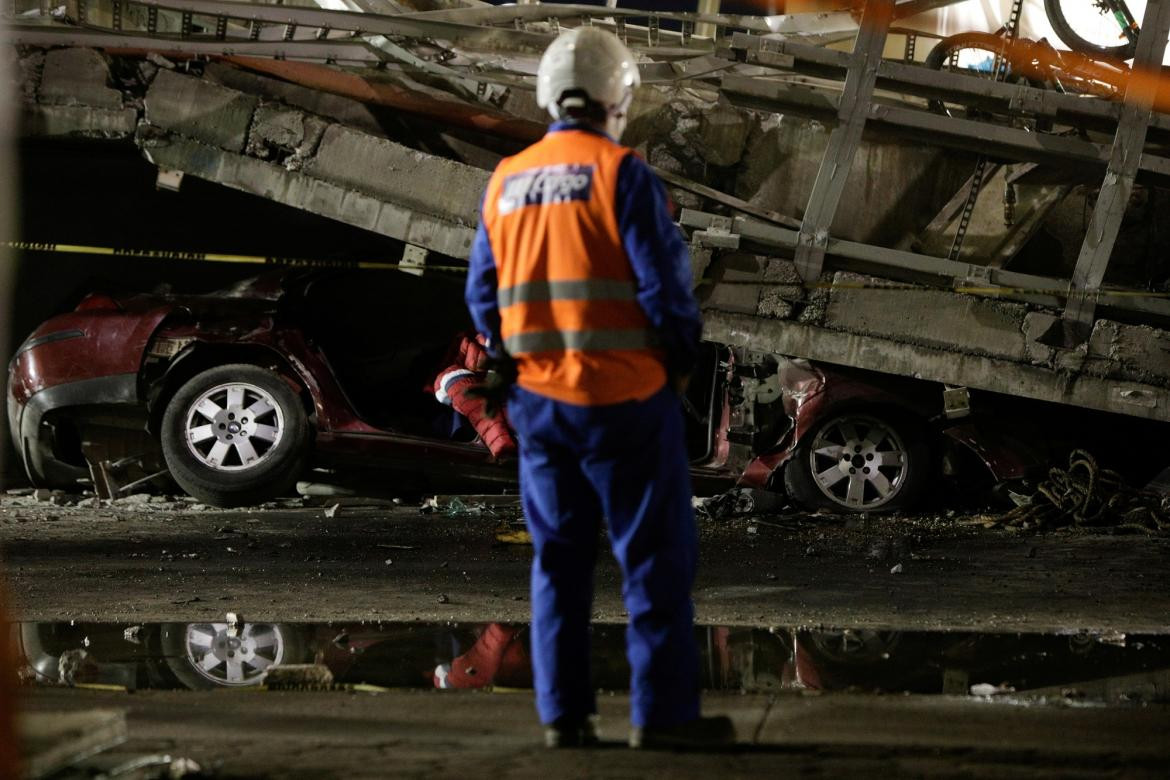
[(861, 462), (235, 434)]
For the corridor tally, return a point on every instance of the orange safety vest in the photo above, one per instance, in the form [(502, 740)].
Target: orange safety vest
[(569, 312)]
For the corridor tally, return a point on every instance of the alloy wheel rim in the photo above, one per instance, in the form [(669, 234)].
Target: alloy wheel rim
[(234, 426), (858, 462), (242, 658)]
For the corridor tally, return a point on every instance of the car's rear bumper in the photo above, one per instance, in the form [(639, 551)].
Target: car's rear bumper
[(25, 420)]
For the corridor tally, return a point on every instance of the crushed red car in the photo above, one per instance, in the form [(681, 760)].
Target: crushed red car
[(236, 394)]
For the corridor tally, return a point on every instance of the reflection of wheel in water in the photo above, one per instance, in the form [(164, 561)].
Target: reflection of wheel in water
[(1096, 27), (860, 462), (853, 647), (210, 655)]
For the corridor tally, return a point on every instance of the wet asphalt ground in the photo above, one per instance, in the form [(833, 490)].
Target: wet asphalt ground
[(135, 561)]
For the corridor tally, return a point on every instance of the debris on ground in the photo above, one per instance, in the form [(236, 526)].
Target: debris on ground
[(331, 511), (508, 535), (165, 766), (76, 666), (316, 489), (461, 506), (739, 501), (987, 689), (1086, 495), (298, 677)]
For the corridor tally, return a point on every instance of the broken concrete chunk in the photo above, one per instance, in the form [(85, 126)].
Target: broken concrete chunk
[(77, 121), (298, 677), (392, 172), (30, 67), (77, 77), (773, 304), (780, 271), (276, 126), (927, 317), (206, 112), (1036, 324), (723, 132), (740, 298), (1142, 352)]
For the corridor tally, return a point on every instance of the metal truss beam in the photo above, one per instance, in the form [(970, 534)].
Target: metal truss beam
[(934, 129), (353, 50), (1124, 161), (852, 111), (911, 266), (923, 82)]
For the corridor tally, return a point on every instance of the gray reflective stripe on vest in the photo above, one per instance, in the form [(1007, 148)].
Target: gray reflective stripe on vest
[(555, 340), (576, 290)]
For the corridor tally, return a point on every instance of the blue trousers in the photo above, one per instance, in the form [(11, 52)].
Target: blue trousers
[(627, 463)]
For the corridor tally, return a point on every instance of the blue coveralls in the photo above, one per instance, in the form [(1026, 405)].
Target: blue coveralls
[(626, 462)]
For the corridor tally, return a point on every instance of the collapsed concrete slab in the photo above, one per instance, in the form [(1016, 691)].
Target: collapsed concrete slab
[(77, 77), (933, 318), (78, 121), (398, 174), (946, 366), (200, 110), (327, 199), (260, 136)]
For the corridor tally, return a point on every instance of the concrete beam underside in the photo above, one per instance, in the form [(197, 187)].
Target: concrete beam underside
[(938, 365)]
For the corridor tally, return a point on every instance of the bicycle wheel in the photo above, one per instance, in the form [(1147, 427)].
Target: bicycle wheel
[(1095, 26), (974, 53)]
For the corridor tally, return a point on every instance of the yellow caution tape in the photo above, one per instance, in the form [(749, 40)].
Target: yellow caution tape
[(216, 257), (298, 262)]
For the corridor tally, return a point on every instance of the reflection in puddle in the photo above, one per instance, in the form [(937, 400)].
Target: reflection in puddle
[(233, 653)]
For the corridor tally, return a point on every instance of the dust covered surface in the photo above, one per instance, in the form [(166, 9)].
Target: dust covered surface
[(465, 734), (136, 560)]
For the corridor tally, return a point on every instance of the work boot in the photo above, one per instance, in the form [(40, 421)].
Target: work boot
[(697, 734), (571, 733)]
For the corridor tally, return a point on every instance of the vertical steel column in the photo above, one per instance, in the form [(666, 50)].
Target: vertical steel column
[(1123, 164), (705, 29), (845, 138)]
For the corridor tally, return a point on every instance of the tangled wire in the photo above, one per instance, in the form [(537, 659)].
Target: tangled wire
[(1085, 495)]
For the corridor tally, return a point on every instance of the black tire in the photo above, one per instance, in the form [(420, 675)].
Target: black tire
[(182, 664), (1074, 41), (906, 485), (236, 483), (995, 45)]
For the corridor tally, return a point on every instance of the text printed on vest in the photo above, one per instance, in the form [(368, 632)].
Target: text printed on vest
[(545, 186)]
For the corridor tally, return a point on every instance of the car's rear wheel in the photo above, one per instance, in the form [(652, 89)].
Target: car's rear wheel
[(860, 462), (234, 435)]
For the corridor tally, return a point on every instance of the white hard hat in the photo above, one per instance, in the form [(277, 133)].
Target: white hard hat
[(591, 60)]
